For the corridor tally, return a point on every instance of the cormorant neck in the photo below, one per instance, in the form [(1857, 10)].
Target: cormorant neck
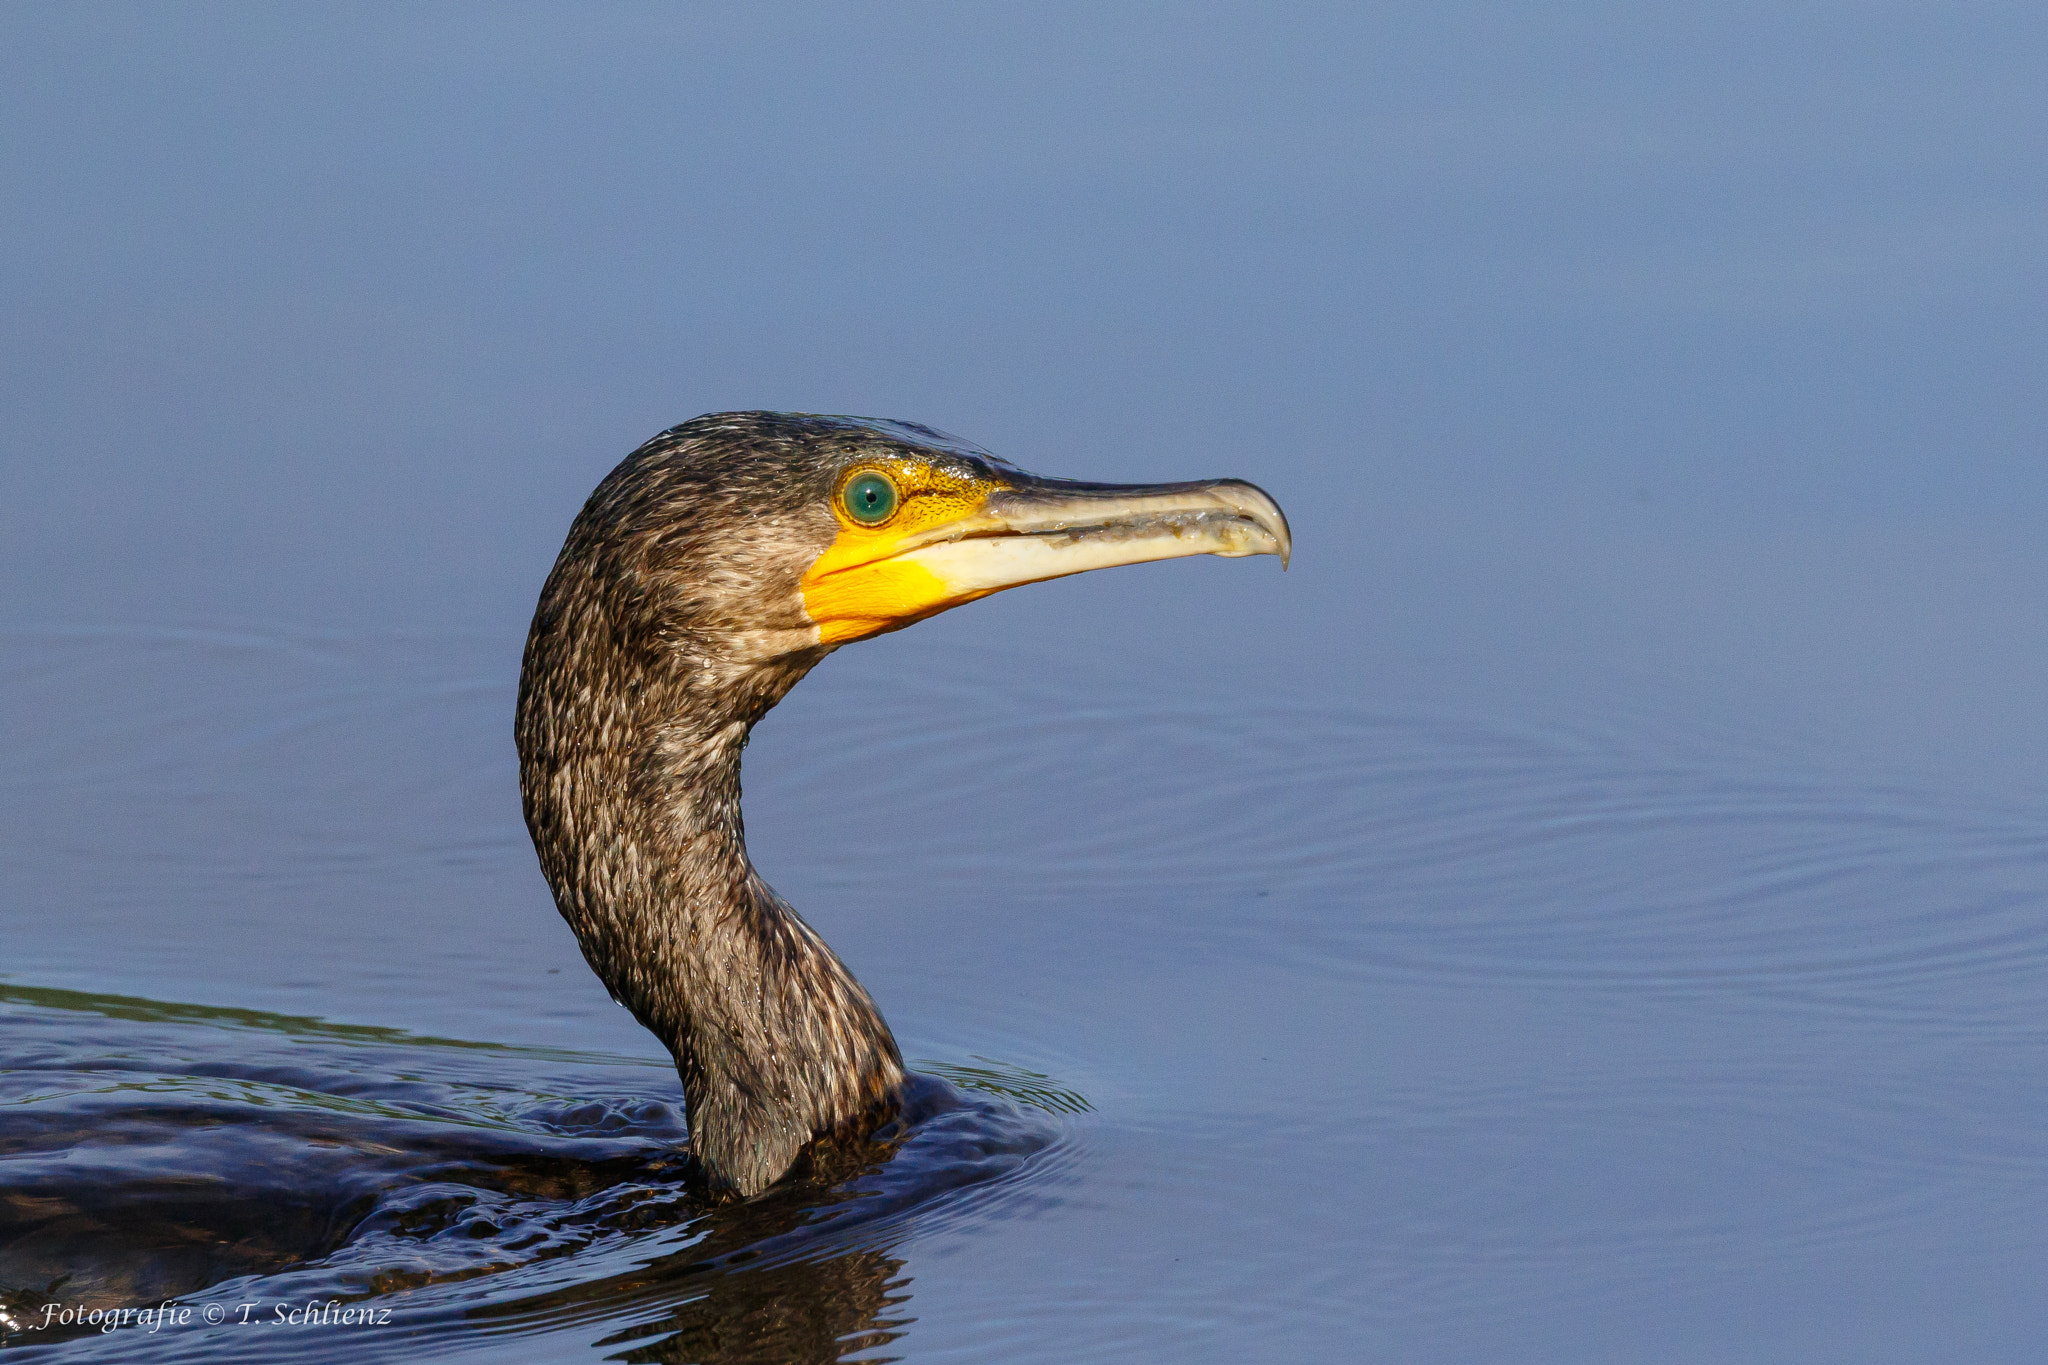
[(775, 1041)]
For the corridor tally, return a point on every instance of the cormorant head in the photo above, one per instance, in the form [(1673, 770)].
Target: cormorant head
[(747, 539)]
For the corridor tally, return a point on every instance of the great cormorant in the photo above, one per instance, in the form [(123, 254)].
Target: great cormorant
[(707, 574)]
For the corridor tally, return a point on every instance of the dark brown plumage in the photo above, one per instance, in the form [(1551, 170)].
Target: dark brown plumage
[(675, 617)]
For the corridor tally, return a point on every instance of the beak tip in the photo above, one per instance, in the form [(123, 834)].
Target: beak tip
[(1274, 522)]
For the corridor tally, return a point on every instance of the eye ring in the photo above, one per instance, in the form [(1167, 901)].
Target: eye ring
[(870, 497)]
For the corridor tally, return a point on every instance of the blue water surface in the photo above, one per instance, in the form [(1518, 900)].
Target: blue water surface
[(1593, 907)]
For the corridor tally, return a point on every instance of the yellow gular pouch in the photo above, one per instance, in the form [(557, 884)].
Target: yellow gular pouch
[(858, 587)]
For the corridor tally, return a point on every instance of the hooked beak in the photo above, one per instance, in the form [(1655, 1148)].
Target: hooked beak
[(1027, 530)]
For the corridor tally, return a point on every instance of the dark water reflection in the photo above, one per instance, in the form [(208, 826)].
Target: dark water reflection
[(222, 1158)]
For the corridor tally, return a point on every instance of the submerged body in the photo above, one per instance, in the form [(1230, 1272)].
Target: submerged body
[(705, 576)]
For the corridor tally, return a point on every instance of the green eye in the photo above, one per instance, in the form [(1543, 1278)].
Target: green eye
[(869, 498)]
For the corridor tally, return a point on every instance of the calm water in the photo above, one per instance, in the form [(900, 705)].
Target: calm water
[(1593, 908), (1321, 1026)]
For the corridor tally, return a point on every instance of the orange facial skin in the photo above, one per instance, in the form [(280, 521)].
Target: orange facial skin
[(857, 588)]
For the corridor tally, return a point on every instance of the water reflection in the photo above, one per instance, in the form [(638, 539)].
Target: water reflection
[(154, 1151), (804, 1312)]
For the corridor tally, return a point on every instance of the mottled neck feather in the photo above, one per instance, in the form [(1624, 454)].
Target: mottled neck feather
[(632, 787)]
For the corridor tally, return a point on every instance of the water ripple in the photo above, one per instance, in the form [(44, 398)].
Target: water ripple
[(154, 1151)]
